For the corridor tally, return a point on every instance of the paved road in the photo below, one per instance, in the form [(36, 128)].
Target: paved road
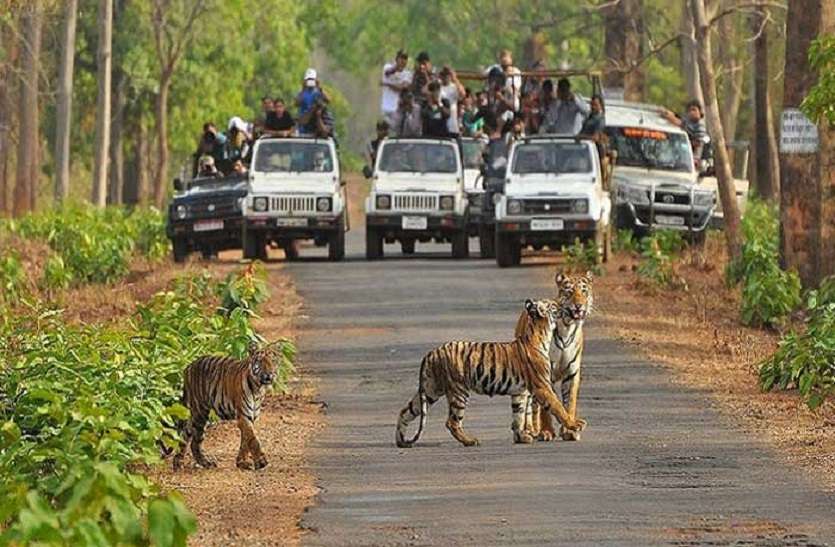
[(655, 466)]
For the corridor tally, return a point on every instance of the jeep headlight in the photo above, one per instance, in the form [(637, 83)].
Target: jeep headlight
[(704, 199), (514, 207), (447, 203), (259, 204), (383, 201), (633, 194), (182, 212), (580, 206), (323, 205)]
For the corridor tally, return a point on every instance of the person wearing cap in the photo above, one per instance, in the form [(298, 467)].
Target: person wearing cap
[(207, 167), (310, 94), (407, 120), (239, 138), (374, 144), (423, 75), (566, 115), (396, 78), (212, 143)]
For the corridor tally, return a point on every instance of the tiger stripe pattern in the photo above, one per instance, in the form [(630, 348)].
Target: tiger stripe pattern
[(234, 389), (516, 368), (575, 301)]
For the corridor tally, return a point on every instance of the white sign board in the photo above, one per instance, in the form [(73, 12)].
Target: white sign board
[(798, 135)]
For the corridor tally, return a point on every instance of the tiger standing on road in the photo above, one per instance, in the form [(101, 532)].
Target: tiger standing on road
[(514, 368), (234, 389), (575, 301)]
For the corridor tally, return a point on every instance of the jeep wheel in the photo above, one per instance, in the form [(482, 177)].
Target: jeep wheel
[(291, 249), (407, 246), (336, 242), (373, 244), (508, 250), (461, 244), (180, 248), (697, 239), (487, 241)]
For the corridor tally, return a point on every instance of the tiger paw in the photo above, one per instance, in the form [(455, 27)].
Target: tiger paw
[(472, 441), (569, 435), (261, 463), (206, 463), (547, 435), (523, 438), (243, 464)]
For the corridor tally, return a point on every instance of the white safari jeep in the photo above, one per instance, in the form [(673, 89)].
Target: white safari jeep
[(554, 193), (295, 192), (417, 194)]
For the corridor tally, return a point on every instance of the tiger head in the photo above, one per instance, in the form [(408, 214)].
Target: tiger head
[(262, 364), (574, 295), (543, 314)]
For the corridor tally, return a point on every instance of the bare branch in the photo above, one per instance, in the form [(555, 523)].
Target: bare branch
[(742, 7)]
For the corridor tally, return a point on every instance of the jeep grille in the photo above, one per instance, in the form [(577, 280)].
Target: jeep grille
[(293, 204), (415, 202)]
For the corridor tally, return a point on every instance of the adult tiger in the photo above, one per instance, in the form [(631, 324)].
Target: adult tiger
[(575, 301), (514, 368), (234, 389)]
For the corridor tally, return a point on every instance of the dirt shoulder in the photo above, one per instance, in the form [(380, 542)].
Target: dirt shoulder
[(696, 334)]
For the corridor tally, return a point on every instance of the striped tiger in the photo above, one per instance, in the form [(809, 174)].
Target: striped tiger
[(575, 301), (234, 389), (514, 368)]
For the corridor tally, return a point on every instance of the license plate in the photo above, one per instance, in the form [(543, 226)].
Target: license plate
[(208, 225), (291, 222), (414, 223), (547, 224), (669, 220)]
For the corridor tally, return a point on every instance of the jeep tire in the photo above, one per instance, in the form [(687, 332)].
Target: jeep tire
[(461, 244), (373, 244), (487, 241), (407, 246), (508, 250), (336, 242), (180, 249)]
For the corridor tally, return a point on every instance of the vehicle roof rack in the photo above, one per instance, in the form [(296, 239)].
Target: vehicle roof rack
[(552, 73)]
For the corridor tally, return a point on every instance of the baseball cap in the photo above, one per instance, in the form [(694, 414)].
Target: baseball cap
[(310, 77)]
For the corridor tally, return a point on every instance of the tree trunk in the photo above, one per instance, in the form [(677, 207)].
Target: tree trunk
[(766, 178), (807, 180), (727, 191), (623, 47), (63, 112), (117, 156), (161, 108), (26, 185), (733, 74), (689, 59), (141, 162), (99, 194), (9, 42)]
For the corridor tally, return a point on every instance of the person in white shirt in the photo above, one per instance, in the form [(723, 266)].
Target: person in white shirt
[(396, 78), (452, 91)]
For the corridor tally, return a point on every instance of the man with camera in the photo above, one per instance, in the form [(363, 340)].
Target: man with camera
[(311, 97), (407, 120), (396, 78)]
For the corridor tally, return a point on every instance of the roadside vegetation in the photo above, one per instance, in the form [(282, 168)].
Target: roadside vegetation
[(85, 409)]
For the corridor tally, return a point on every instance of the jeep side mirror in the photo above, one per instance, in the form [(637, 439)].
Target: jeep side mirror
[(178, 185), (367, 172)]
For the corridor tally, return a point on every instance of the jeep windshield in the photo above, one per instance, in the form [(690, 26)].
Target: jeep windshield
[(652, 149), (472, 150), (293, 157), (424, 157), (554, 158)]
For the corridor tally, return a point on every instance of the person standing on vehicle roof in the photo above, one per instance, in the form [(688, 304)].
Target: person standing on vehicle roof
[(279, 122), (310, 94), (435, 113), (453, 92), (512, 87), (407, 119), (564, 116), (422, 77), (595, 122), (693, 124), (396, 78), (374, 145)]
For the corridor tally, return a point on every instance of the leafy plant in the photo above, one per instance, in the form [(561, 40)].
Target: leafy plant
[(581, 257), (56, 275), (12, 279), (625, 241), (769, 293), (820, 102), (245, 291), (807, 359), (658, 251)]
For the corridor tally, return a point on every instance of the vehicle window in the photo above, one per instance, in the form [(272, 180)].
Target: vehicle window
[(472, 152), (640, 147), (402, 157), (288, 156), (552, 157)]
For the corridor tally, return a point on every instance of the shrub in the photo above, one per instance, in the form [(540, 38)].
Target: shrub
[(658, 251), (12, 279), (581, 257), (807, 359), (769, 293), (83, 408), (625, 241)]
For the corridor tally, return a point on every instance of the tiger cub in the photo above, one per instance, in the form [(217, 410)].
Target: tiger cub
[(514, 368), (234, 389), (574, 301)]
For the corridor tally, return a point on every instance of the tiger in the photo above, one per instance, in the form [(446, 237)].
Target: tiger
[(515, 368), (234, 389), (575, 302)]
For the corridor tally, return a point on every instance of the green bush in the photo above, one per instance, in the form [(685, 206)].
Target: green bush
[(807, 359), (769, 294), (83, 408), (12, 278), (245, 291), (581, 257), (658, 251), (625, 241)]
